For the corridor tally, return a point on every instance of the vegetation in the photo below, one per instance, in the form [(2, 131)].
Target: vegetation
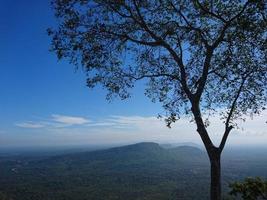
[(198, 56), (250, 189), (4, 196), (137, 172)]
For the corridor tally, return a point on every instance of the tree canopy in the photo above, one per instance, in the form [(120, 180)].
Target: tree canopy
[(212, 50)]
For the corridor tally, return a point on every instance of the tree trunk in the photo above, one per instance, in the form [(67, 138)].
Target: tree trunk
[(215, 175), (214, 153)]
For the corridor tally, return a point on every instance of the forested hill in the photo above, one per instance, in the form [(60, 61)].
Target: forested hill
[(146, 152), (135, 172)]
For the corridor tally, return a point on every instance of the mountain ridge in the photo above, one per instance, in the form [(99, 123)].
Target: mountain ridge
[(138, 171)]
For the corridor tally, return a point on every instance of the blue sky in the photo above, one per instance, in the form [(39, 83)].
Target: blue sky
[(46, 102)]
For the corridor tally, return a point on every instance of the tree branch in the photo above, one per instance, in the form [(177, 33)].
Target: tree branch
[(152, 76), (209, 12), (127, 37), (117, 11), (190, 27), (224, 138), (202, 130), (227, 24), (232, 109), (205, 71), (229, 127), (169, 48)]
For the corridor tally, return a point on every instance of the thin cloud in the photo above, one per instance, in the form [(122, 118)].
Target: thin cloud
[(125, 129), (55, 121), (133, 120), (101, 124), (30, 125), (69, 120)]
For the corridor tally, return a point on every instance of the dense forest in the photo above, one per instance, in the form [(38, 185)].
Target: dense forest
[(135, 172)]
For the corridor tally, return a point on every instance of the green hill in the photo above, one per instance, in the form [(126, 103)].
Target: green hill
[(142, 171)]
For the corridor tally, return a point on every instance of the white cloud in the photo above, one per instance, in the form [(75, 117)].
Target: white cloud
[(101, 124), (151, 128), (132, 119), (130, 129), (55, 121), (29, 125), (138, 122), (69, 120)]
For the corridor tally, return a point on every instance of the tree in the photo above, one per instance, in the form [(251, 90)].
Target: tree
[(198, 56), (250, 189), (4, 196)]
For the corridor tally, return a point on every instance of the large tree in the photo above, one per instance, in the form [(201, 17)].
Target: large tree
[(198, 56)]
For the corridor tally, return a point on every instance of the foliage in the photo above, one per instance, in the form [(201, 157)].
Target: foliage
[(250, 189), (188, 50), (4, 196)]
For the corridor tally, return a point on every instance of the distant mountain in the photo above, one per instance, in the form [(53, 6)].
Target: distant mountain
[(145, 154), (140, 171), (173, 145)]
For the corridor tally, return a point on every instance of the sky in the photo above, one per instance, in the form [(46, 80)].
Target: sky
[(45, 102)]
